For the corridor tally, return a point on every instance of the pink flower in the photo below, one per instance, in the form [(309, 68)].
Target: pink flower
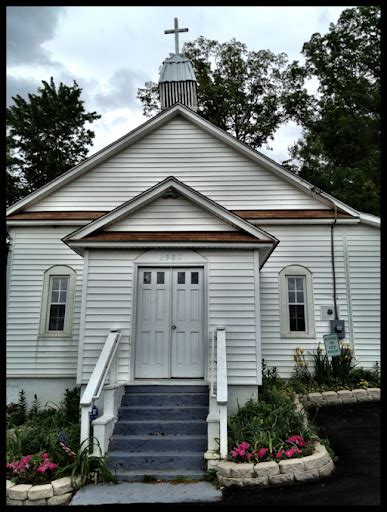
[(241, 452), (296, 440), (289, 453), (234, 454), (279, 454), (262, 452), (42, 468), (45, 455), (52, 465), (244, 445), (249, 456)]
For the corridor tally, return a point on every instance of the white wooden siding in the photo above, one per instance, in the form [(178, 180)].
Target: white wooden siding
[(171, 215), (310, 246), (231, 297), (34, 250), (363, 248), (109, 306), (181, 149)]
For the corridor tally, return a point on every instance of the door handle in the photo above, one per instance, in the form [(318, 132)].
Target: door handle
[(173, 326)]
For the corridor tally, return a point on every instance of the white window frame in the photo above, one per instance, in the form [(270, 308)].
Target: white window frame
[(296, 271), (57, 271)]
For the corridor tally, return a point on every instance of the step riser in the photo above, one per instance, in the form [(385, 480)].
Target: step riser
[(121, 477), (158, 445), (149, 429), (145, 463), (165, 389), (134, 413), (165, 399)]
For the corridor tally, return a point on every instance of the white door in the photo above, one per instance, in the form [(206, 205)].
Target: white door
[(169, 340)]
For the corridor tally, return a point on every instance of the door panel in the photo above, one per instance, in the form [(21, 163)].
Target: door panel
[(187, 316), (153, 325)]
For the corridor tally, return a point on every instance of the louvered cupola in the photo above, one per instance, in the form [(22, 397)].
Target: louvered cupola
[(177, 82)]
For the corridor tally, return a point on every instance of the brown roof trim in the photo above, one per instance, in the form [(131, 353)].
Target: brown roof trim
[(244, 214), (69, 215), (172, 236), (289, 214)]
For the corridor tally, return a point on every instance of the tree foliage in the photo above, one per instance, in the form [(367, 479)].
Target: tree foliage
[(243, 92), (46, 137), (340, 147)]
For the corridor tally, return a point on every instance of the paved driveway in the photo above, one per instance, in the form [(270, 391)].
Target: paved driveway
[(354, 433)]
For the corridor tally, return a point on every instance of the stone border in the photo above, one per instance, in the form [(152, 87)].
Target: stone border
[(57, 492), (265, 474), (344, 396)]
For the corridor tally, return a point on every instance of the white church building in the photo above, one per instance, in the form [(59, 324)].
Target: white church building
[(159, 272)]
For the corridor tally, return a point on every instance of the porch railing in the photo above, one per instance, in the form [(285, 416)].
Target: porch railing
[(97, 380), (217, 418)]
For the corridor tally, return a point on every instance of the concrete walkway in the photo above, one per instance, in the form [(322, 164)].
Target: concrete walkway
[(138, 492)]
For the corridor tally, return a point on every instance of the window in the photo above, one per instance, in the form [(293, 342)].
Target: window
[(296, 299), (56, 317)]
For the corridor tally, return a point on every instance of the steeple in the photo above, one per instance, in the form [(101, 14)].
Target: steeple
[(177, 77)]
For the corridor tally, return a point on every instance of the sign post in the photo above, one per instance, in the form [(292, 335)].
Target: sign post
[(332, 347)]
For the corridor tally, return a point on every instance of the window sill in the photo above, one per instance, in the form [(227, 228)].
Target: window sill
[(297, 335), (61, 335)]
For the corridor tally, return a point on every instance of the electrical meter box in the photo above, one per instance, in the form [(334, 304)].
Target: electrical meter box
[(338, 327)]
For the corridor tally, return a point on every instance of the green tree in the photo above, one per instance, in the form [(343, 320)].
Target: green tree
[(46, 137), (340, 147), (240, 91)]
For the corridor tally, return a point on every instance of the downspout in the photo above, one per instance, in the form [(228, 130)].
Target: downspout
[(318, 191)]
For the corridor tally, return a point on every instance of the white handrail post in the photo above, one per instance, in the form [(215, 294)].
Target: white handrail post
[(221, 388), (85, 425)]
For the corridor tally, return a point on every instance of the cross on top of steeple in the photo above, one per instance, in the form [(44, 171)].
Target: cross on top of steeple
[(176, 31)]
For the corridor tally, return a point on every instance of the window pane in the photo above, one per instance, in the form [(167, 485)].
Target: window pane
[(63, 283), (194, 277), (292, 297), (57, 315), (62, 296), (181, 278), (299, 283), (56, 283), (54, 296), (300, 297), (160, 277), (147, 277), (291, 283), (297, 318)]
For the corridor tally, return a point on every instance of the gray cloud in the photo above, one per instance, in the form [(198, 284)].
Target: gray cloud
[(27, 29), (123, 90), (22, 86)]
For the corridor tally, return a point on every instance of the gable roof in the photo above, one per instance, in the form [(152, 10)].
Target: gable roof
[(157, 121), (247, 232)]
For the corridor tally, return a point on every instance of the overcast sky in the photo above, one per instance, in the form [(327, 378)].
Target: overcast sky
[(111, 51)]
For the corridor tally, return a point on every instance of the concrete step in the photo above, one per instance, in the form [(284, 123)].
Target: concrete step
[(159, 474), (166, 389), (147, 462), (162, 427), (145, 444), (169, 399), (153, 412)]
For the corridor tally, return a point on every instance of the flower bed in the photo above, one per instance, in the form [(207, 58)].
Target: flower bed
[(57, 492)]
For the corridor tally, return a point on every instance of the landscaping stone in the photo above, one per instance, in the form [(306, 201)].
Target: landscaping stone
[(256, 482), (291, 466), (374, 393), (231, 482), (349, 400), (62, 485), (329, 395), (359, 392), (35, 503), (242, 470), (9, 484), (315, 397), (305, 476), (327, 469), (364, 398), (266, 469), (15, 503), (317, 460), (225, 468), (62, 499), (282, 479), (344, 393), (40, 491), (19, 492)]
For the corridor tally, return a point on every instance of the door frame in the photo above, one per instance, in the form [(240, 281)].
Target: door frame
[(206, 335)]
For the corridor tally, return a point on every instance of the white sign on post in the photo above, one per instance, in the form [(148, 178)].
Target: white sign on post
[(332, 347)]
